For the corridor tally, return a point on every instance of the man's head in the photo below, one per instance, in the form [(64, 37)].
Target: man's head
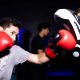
[(10, 26), (78, 12), (43, 28)]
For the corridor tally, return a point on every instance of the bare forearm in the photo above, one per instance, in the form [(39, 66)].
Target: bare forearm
[(38, 58)]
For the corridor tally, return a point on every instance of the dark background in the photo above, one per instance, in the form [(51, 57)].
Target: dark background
[(31, 13)]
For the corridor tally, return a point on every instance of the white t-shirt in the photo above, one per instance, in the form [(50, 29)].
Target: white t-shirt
[(17, 55)]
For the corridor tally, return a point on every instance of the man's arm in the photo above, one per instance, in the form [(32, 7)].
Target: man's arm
[(66, 41), (42, 56)]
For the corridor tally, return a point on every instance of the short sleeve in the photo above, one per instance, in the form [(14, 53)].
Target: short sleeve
[(20, 55)]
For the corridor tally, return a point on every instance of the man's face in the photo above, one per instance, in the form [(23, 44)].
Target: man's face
[(12, 31), (46, 31), (78, 14)]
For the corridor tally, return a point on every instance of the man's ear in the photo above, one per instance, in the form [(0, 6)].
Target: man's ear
[(1, 29)]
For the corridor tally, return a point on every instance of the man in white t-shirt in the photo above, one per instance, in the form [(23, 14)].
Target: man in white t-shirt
[(11, 55)]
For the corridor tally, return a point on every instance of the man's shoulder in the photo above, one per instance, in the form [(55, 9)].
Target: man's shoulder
[(36, 38), (15, 47)]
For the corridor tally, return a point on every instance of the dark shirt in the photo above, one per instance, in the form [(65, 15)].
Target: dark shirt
[(37, 43), (37, 71)]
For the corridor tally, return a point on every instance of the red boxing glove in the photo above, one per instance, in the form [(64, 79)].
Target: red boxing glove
[(50, 53), (67, 40), (5, 41)]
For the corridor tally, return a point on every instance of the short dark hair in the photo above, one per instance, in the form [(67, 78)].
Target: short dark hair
[(43, 25), (7, 21)]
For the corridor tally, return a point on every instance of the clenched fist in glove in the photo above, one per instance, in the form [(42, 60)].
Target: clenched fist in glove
[(5, 41), (63, 39)]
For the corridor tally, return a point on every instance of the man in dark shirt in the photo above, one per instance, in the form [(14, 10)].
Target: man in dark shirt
[(37, 43), (38, 47)]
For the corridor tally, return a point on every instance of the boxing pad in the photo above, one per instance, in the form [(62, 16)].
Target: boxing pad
[(68, 19), (5, 41)]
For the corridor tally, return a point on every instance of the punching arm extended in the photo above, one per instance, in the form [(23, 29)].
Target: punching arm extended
[(64, 39)]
